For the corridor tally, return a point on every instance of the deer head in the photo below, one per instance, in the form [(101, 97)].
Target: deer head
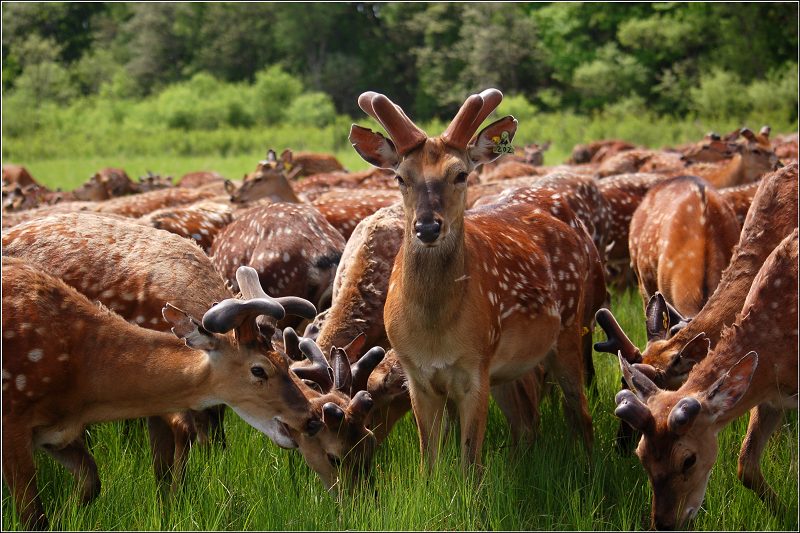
[(270, 180), (679, 435), (432, 172)]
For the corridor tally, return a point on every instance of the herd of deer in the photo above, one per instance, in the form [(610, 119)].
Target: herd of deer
[(482, 275)]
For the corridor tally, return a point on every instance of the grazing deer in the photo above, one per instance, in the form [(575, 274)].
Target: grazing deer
[(739, 198), (345, 209), (623, 193), (60, 375), (105, 184), (672, 351), (681, 239), (292, 246), (474, 300), (753, 366), (132, 270), (200, 221), (141, 204), (193, 180)]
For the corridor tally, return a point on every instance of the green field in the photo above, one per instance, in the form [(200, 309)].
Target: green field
[(254, 485)]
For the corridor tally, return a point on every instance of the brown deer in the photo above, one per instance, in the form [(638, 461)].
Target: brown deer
[(311, 163), (141, 204), (681, 239), (198, 179), (598, 151), (292, 247), (200, 221), (623, 193), (739, 198), (152, 182), (133, 270), (672, 351), (753, 366), (17, 175), (60, 375), (467, 305), (105, 184), (345, 209)]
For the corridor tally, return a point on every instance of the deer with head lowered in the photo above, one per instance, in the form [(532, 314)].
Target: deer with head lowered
[(68, 362), (474, 301), (753, 366)]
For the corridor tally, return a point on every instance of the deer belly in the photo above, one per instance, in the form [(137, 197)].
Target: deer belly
[(520, 348)]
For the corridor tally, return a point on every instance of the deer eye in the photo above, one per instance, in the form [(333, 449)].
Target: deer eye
[(689, 462), (258, 372), (461, 177), (400, 181)]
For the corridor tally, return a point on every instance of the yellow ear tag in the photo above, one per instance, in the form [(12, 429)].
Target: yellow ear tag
[(585, 331), (665, 320)]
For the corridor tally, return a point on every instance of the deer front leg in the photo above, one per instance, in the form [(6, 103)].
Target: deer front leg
[(429, 410), (473, 411), (764, 419), (567, 366), (19, 473), (77, 459)]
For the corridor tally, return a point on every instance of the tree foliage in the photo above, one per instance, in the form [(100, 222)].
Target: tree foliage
[(675, 58)]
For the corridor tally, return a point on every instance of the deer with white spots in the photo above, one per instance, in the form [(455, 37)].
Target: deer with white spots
[(68, 362), (623, 193), (200, 221), (475, 300), (133, 270), (292, 247), (739, 198), (681, 239), (675, 346), (753, 366), (141, 204)]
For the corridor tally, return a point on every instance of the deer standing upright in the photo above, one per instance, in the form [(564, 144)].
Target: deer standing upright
[(478, 300)]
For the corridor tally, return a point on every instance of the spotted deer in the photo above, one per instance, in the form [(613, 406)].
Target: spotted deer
[(61, 375), (474, 300), (311, 163), (345, 209), (739, 198), (598, 151), (292, 247), (141, 204), (673, 347), (623, 193), (752, 368), (681, 239), (133, 270), (105, 184), (200, 221), (200, 178)]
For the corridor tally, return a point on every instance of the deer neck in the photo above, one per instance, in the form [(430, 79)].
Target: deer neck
[(155, 374), (730, 174), (429, 274)]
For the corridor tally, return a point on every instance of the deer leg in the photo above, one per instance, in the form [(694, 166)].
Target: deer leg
[(429, 410), (764, 419), (519, 402), (216, 420), (162, 448), (19, 473), (473, 411), (77, 459), (184, 434), (566, 360)]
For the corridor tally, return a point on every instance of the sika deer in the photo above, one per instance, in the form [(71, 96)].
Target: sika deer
[(753, 366), (292, 246), (468, 305), (133, 270), (60, 375), (672, 351), (681, 239)]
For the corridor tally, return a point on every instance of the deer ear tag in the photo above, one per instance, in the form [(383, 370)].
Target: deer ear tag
[(502, 144)]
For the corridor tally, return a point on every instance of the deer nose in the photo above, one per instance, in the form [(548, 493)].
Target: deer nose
[(428, 231), (663, 525), (313, 426)]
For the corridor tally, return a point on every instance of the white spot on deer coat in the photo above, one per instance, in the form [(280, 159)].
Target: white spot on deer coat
[(36, 355), (20, 382)]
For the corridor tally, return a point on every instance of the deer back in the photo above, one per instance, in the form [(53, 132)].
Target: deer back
[(293, 248), (141, 204), (132, 269), (201, 221), (681, 239), (345, 209)]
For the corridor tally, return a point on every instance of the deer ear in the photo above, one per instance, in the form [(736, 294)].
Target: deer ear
[(726, 392), (374, 148), (657, 318), (230, 188), (493, 141), (190, 330)]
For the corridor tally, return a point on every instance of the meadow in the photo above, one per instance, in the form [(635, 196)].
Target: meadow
[(551, 485)]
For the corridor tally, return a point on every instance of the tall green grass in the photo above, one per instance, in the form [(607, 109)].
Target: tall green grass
[(551, 485)]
